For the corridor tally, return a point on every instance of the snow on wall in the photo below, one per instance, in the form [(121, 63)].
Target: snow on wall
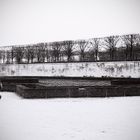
[(80, 69)]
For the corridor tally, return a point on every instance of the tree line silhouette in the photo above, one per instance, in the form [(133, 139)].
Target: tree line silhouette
[(111, 48)]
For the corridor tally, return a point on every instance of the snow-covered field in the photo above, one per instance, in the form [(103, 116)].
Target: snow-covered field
[(69, 119)]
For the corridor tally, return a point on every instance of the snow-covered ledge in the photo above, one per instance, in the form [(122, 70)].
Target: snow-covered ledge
[(79, 69)]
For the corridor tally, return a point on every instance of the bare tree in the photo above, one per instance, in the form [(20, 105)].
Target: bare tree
[(19, 54), (83, 48), (47, 52), (8, 56), (56, 51), (1, 56), (27, 54), (40, 52), (30, 53), (111, 43), (130, 42), (12, 54), (95, 42), (68, 49)]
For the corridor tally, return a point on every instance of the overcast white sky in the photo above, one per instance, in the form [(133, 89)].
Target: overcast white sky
[(33, 21)]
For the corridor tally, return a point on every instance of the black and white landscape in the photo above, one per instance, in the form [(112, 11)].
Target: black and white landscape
[(69, 69)]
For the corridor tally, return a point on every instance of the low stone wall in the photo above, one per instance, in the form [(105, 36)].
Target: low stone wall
[(40, 91), (27, 92), (115, 69), (129, 81), (18, 80), (9, 84)]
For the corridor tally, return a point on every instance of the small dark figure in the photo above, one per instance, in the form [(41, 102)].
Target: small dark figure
[(0, 96)]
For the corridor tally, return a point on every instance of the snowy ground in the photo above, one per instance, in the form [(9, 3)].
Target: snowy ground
[(69, 119)]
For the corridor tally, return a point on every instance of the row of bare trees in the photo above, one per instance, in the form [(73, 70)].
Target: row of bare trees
[(126, 47)]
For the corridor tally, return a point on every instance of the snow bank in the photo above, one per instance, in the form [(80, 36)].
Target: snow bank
[(69, 119)]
